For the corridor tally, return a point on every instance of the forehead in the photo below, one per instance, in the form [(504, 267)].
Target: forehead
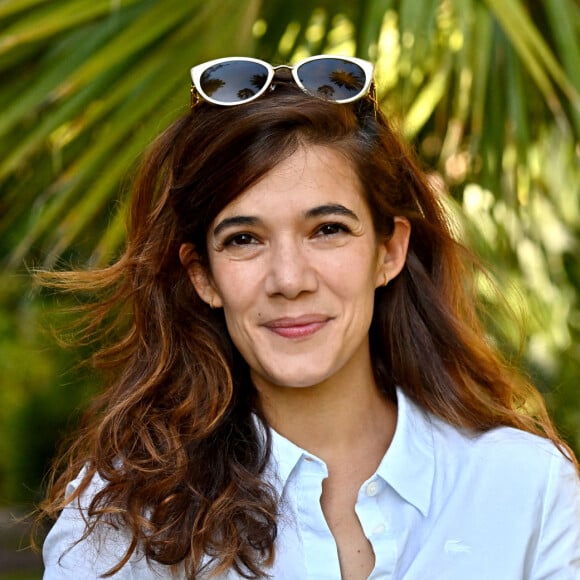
[(311, 176)]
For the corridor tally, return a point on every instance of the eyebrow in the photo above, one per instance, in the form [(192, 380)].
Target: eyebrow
[(239, 220), (318, 211), (331, 209)]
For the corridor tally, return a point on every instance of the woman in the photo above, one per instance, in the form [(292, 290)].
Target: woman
[(300, 387)]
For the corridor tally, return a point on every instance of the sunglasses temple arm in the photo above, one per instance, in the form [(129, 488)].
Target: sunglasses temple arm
[(195, 98), (372, 97)]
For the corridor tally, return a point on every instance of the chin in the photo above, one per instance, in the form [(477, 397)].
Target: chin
[(300, 380)]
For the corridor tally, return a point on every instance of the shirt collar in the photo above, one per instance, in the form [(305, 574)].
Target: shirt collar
[(285, 457), (409, 464)]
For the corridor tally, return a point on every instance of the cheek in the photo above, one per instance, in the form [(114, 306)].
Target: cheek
[(239, 291), (237, 307), (354, 276), (234, 281), (356, 287), (236, 319)]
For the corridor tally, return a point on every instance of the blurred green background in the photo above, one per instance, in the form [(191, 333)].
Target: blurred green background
[(487, 91)]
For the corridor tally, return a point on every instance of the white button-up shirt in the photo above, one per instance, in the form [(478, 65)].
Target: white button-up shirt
[(444, 504)]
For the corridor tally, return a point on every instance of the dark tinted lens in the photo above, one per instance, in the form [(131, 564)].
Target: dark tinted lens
[(332, 78), (234, 81)]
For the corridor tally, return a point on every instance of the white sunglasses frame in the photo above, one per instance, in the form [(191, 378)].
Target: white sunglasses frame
[(198, 70)]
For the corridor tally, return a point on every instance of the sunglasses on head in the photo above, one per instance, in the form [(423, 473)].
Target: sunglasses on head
[(237, 80)]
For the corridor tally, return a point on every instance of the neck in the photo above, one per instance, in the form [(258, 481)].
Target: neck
[(335, 420)]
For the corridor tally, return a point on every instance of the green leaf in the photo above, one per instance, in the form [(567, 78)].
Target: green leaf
[(54, 18)]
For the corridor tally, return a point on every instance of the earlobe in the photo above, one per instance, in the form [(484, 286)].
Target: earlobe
[(199, 276), (394, 252)]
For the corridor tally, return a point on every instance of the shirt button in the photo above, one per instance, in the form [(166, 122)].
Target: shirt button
[(372, 488), (379, 529)]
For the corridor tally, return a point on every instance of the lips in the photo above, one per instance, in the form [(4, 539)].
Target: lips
[(297, 327)]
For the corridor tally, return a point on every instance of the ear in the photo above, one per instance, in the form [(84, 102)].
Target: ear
[(393, 252), (199, 276)]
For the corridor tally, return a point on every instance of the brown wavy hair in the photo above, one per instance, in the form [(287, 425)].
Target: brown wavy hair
[(177, 433)]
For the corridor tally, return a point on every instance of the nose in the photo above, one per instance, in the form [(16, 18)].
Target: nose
[(291, 270)]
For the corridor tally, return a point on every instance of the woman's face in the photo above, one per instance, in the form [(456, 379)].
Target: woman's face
[(294, 262)]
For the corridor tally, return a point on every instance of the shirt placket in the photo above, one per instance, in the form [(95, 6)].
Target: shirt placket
[(377, 528), (320, 552)]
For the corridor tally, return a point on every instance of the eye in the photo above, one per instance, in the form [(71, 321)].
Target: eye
[(332, 229), (242, 239)]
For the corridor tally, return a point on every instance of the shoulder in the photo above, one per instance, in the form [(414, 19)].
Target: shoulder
[(458, 451), (521, 490), (511, 468), (503, 447), (69, 553), (502, 462)]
